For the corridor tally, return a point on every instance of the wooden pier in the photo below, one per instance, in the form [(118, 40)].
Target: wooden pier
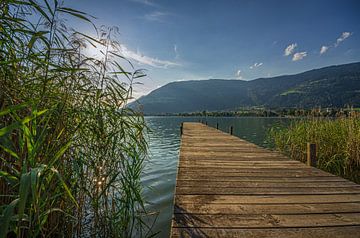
[(228, 187)]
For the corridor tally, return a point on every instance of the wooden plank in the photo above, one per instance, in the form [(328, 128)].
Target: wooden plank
[(265, 167), (255, 165), (273, 199), (246, 162), (268, 208), (226, 153), (265, 220), (234, 144), (318, 232), (228, 187), (234, 158), (264, 184), (251, 172), (253, 150), (181, 190), (269, 179), (211, 176)]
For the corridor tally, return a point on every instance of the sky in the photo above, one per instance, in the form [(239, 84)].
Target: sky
[(228, 39)]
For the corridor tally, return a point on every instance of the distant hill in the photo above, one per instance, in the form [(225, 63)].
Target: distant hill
[(334, 86)]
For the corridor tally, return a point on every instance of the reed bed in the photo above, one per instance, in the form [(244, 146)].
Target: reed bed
[(337, 139), (71, 151)]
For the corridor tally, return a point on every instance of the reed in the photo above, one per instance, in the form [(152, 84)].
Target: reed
[(71, 150), (338, 143)]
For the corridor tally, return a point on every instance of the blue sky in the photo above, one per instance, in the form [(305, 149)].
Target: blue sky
[(190, 40)]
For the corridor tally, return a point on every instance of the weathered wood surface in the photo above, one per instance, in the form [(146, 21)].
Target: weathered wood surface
[(228, 187)]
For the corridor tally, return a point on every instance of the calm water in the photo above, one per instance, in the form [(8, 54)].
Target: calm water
[(160, 169)]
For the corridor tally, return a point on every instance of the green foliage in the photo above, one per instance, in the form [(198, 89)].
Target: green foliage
[(338, 143), (71, 150)]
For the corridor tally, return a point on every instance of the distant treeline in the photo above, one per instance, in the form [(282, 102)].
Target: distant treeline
[(279, 112)]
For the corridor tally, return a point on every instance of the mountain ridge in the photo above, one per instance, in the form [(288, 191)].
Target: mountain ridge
[(331, 86)]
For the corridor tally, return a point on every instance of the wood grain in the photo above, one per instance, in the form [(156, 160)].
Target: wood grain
[(228, 187)]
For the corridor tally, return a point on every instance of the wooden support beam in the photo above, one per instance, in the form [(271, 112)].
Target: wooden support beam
[(311, 154)]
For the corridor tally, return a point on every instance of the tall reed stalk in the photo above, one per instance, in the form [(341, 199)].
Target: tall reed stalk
[(71, 152)]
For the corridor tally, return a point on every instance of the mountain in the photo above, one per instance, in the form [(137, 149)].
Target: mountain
[(334, 86)]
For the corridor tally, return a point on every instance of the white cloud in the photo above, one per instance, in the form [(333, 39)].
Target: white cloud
[(323, 49), (143, 59), (156, 16), (290, 49), (256, 65), (238, 74), (98, 50), (299, 56), (343, 37)]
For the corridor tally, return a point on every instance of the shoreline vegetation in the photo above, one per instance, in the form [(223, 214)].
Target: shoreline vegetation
[(273, 112), (337, 140), (71, 151)]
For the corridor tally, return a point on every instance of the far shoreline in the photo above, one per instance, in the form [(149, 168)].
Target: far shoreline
[(267, 113)]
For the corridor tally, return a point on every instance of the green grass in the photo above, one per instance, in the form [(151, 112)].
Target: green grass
[(338, 143), (71, 151)]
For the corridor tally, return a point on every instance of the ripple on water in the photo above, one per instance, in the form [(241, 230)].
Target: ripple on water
[(159, 173)]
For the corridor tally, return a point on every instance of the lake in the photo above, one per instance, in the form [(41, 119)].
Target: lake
[(161, 167)]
